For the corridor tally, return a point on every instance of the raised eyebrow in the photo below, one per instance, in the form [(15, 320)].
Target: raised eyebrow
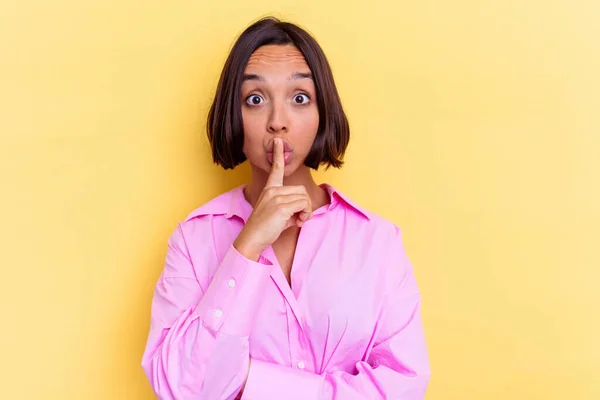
[(253, 77), (300, 75)]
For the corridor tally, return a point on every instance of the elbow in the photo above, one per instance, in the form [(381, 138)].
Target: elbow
[(423, 376), (167, 379), (158, 378)]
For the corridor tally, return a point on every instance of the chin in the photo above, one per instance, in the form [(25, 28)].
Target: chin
[(287, 171)]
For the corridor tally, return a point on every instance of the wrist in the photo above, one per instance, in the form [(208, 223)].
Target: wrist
[(247, 249)]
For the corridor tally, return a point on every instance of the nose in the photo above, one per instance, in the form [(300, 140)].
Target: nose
[(278, 119)]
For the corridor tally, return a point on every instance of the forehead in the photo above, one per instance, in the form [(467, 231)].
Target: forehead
[(277, 57)]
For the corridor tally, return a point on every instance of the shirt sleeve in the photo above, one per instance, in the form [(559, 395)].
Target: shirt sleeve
[(198, 341), (396, 368)]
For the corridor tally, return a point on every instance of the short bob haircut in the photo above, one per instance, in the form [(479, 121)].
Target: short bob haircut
[(224, 126)]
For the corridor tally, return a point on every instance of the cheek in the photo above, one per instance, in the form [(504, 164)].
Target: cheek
[(308, 122), (252, 131)]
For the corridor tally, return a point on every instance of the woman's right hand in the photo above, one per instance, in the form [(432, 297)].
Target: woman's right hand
[(278, 208)]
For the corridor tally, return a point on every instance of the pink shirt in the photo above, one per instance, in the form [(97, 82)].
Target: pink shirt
[(349, 327)]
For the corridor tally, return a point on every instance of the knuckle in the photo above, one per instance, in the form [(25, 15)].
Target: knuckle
[(284, 209)]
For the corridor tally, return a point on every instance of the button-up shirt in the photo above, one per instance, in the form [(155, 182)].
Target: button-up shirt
[(347, 327)]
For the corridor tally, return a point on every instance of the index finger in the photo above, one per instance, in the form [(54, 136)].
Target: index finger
[(278, 166)]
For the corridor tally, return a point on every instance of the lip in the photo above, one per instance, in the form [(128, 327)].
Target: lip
[(287, 157), (288, 149)]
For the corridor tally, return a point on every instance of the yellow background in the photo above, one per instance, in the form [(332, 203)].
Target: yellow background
[(475, 127)]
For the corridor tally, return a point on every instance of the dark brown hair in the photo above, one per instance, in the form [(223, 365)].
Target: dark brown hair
[(224, 125)]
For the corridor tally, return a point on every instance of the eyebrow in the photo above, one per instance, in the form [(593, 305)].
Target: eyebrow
[(300, 75), (253, 77), (293, 77)]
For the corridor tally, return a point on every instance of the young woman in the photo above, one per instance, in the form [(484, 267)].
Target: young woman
[(282, 288)]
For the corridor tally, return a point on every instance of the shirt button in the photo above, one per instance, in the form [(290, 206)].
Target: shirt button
[(231, 283), (218, 313), (301, 365)]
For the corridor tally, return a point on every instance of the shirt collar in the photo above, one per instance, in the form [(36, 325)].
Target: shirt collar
[(233, 203), (338, 198)]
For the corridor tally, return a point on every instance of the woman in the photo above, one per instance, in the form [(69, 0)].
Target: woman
[(283, 288)]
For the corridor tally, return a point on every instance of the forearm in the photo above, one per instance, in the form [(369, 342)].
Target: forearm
[(205, 350), (268, 381)]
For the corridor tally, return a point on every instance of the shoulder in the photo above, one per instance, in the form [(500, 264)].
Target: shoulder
[(223, 204), (395, 262), (363, 218), (195, 238), (381, 240), (385, 236), (197, 229), (387, 232)]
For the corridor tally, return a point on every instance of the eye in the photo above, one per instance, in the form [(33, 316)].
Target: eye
[(301, 98), (254, 100)]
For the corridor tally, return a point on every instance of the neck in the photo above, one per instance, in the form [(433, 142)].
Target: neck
[(301, 177)]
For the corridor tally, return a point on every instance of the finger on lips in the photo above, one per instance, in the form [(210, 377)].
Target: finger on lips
[(297, 197), (278, 166)]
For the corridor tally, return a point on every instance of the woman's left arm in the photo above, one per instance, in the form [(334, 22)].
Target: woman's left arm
[(397, 367)]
